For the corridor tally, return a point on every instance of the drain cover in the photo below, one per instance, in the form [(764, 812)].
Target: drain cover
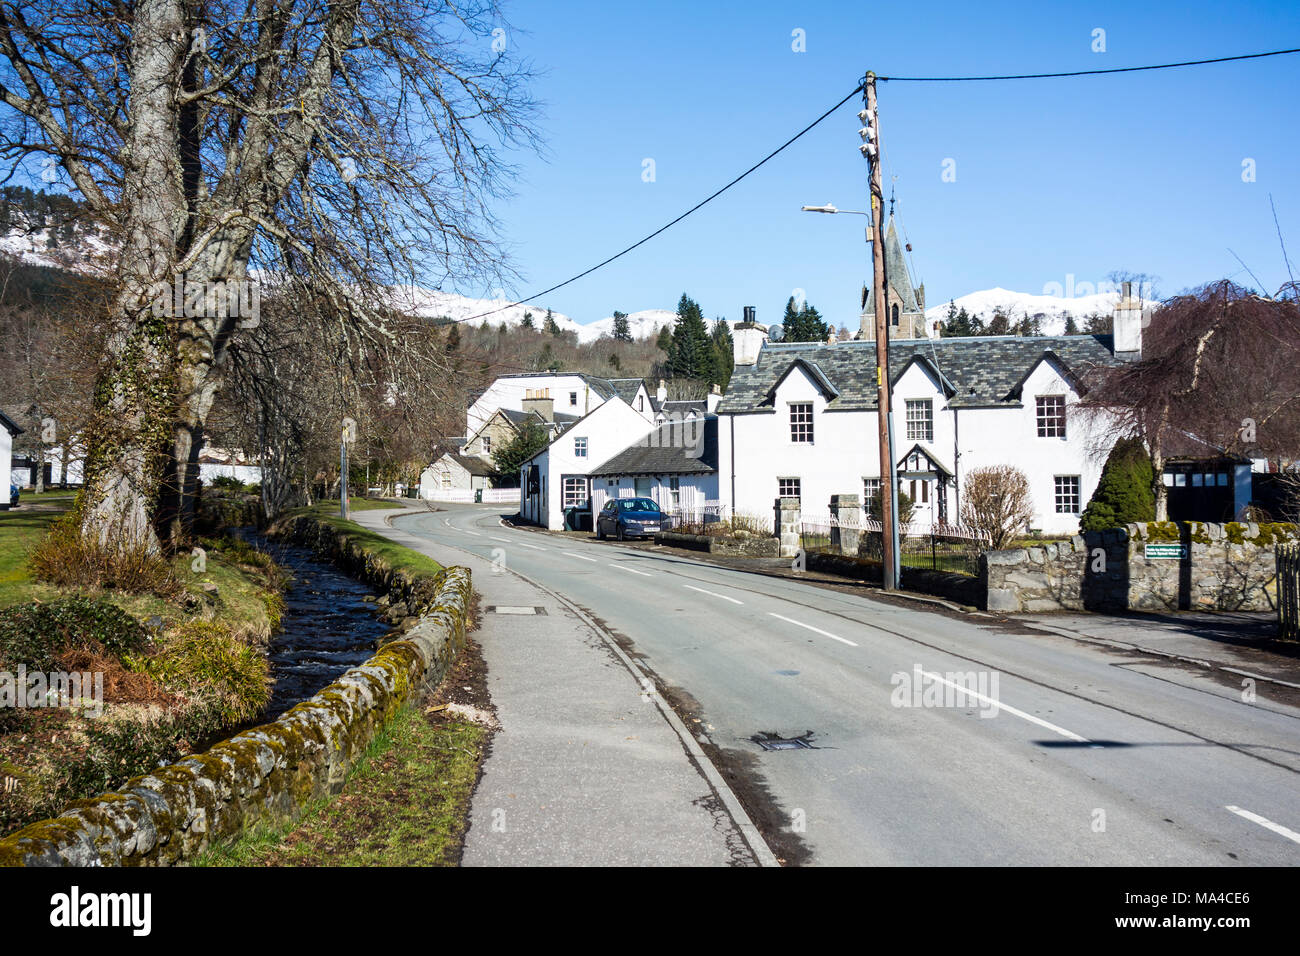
[(771, 741), (508, 609)]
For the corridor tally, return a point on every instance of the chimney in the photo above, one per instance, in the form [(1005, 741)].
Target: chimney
[(661, 393), (1129, 317), (714, 397), (539, 400), (747, 338)]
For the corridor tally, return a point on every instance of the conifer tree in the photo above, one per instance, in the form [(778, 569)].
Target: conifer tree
[(1126, 491), (622, 331)]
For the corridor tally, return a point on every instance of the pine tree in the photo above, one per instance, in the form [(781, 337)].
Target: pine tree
[(790, 322), (1071, 326), (811, 326), (527, 321), (724, 354), (622, 331), (665, 340), (691, 354), (550, 325), (1126, 491)]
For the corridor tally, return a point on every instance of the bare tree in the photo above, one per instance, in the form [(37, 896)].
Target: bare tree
[(996, 503), (322, 148), (1217, 376)]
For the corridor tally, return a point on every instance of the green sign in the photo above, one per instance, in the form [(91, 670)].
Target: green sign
[(1174, 551)]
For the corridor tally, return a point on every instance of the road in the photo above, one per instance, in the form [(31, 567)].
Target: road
[(1070, 754)]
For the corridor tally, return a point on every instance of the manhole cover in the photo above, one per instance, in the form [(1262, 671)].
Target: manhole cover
[(508, 609), (771, 741)]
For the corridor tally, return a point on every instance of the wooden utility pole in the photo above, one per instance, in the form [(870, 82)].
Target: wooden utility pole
[(888, 487)]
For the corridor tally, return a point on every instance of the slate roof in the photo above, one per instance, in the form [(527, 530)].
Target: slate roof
[(981, 371), (665, 452), (626, 388), (682, 406), (475, 466), (9, 423)]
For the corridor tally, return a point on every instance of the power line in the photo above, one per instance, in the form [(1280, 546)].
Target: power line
[(699, 205), (1045, 76), (854, 92)]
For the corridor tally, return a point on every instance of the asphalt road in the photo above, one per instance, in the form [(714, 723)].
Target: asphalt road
[(1071, 754)]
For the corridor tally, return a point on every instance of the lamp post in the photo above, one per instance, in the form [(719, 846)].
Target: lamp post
[(884, 417)]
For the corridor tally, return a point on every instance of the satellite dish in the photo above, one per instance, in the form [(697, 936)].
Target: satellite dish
[(776, 332)]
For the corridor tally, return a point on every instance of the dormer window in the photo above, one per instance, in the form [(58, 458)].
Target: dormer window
[(1050, 413), (801, 422)]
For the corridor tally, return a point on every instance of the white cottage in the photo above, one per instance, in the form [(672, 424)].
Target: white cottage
[(8, 431), (560, 474), (801, 422), (569, 394), (676, 465)]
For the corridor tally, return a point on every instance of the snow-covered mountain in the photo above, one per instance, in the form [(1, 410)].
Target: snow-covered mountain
[(1018, 305), (643, 325)]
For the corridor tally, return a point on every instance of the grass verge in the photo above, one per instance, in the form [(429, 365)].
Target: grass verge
[(392, 553)]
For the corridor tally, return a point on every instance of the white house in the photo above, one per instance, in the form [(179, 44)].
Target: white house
[(676, 464), (801, 421), (454, 472), (571, 393), (559, 475), (8, 430)]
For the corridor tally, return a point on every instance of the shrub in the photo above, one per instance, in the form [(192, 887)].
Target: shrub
[(1125, 494), (996, 503), (903, 503), (226, 481), (35, 634), (203, 659), (67, 558)]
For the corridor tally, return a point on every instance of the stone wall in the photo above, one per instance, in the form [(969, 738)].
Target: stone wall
[(270, 773), (757, 547), (1223, 567)]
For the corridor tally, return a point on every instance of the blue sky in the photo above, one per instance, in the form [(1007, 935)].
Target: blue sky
[(1053, 177)]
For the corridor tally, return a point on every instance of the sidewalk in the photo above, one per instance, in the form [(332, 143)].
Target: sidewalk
[(586, 770)]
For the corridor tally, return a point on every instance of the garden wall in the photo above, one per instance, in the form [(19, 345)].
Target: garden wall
[(1157, 566), (757, 547), (270, 773)]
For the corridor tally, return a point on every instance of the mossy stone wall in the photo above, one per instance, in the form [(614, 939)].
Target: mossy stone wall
[(269, 773)]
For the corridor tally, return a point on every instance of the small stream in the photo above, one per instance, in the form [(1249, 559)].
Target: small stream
[(326, 627)]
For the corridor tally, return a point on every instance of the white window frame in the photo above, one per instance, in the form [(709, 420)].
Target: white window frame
[(1048, 421), (580, 447), (801, 427), (920, 427), (1064, 492)]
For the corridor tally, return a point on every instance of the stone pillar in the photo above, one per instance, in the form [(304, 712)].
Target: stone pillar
[(787, 526), (847, 529)]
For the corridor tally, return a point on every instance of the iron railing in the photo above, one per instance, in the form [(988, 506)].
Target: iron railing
[(1288, 591)]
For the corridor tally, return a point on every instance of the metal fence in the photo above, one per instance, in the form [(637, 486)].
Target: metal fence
[(1288, 591), (936, 547)]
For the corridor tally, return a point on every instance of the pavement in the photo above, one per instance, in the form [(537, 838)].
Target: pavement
[(590, 766), (929, 736)]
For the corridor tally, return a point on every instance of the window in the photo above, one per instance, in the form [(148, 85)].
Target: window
[(894, 317), (575, 491), (870, 488), (580, 447), (640, 403), (787, 487), (573, 398), (801, 422), (920, 419), (1067, 494), (486, 443), (1051, 416)]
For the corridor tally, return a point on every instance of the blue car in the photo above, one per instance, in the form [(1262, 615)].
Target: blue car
[(629, 518)]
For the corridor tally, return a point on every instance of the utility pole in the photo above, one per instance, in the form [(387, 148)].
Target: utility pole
[(348, 436), (870, 149)]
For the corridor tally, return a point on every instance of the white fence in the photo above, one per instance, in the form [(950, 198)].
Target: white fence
[(491, 496)]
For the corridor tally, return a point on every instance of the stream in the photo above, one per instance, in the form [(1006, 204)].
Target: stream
[(327, 627)]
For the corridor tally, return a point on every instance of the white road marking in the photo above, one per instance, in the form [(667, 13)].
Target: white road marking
[(1266, 823), (494, 538), (533, 546), (580, 557), (1069, 735), (624, 567), (818, 630), (713, 594)]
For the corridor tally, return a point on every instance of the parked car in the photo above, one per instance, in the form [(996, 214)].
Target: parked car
[(578, 517), (13, 496), (629, 518)]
